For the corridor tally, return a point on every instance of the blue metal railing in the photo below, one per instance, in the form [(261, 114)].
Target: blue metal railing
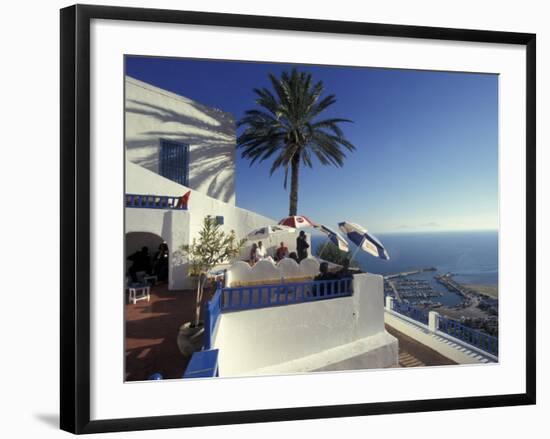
[(262, 296), (410, 311), (476, 338), (154, 202), (213, 309)]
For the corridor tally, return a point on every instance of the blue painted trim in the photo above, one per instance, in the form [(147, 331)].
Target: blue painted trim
[(263, 296), (153, 201), (213, 309), (203, 364), (174, 161)]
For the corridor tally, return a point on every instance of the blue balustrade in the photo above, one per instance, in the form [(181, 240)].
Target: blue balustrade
[(411, 311), (262, 296), (476, 338), (153, 202)]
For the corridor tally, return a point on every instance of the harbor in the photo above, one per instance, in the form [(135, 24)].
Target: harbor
[(407, 289), (468, 305)]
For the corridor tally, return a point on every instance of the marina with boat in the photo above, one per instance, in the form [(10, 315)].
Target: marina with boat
[(471, 305)]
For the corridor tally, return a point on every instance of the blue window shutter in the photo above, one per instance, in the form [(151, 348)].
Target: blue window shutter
[(174, 161)]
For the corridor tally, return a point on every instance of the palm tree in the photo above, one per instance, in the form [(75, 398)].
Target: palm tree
[(286, 127)]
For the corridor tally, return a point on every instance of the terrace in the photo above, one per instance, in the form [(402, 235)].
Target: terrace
[(152, 328)]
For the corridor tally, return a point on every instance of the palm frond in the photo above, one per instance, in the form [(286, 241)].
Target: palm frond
[(285, 123)]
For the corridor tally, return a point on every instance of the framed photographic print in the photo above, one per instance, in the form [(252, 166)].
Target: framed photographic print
[(268, 218)]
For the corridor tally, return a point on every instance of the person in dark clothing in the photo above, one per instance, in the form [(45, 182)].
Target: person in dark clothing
[(160, 262), (293, 255), (344, 272), (324, 274), (140, 262), (302, 245)]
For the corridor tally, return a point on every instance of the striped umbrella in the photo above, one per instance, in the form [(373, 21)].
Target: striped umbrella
[(297, 222), (364, 240), (334, 237)]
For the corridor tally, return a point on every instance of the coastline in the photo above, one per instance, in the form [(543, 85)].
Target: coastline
[(485, 290)]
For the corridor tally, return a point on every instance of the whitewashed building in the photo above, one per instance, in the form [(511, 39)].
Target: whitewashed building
[(172, 145)]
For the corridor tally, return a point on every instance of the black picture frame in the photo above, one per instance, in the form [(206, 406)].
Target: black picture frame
[(75, 217)]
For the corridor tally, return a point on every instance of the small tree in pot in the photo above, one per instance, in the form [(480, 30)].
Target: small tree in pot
[(213, 247)]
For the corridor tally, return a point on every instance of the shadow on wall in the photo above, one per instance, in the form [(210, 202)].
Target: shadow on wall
[(211, 143)]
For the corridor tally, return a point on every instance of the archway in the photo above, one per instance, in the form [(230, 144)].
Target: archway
[(135, 242)]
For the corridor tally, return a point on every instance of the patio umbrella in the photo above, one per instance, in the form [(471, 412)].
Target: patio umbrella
[(266, 231), (333, 237), (364, 240), (297, 221)]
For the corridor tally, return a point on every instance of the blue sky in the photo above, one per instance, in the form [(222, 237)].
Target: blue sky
[(427, 143)]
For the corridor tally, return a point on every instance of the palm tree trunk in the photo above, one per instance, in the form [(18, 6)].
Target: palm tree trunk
[(294, 177)]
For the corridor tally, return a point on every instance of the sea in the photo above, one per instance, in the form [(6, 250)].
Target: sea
[(471, 256)]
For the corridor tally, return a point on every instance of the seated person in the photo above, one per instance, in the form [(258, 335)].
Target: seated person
[(282, 252), (294, 256), (141, 262), (260, 251), (324, 274), (344, 272)]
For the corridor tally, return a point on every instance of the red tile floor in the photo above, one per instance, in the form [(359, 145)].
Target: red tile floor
[(151, 333)]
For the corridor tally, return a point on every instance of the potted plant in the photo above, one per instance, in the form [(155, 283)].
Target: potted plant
[(212, 247)]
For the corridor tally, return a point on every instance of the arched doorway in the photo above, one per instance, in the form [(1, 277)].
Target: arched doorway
[(144, 251)]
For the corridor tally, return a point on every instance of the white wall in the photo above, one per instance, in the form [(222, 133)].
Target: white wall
[(254, 339), (153, 114), (269, 271)]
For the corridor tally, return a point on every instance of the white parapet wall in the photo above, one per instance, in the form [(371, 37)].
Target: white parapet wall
[(334, 334), (268, 271)]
